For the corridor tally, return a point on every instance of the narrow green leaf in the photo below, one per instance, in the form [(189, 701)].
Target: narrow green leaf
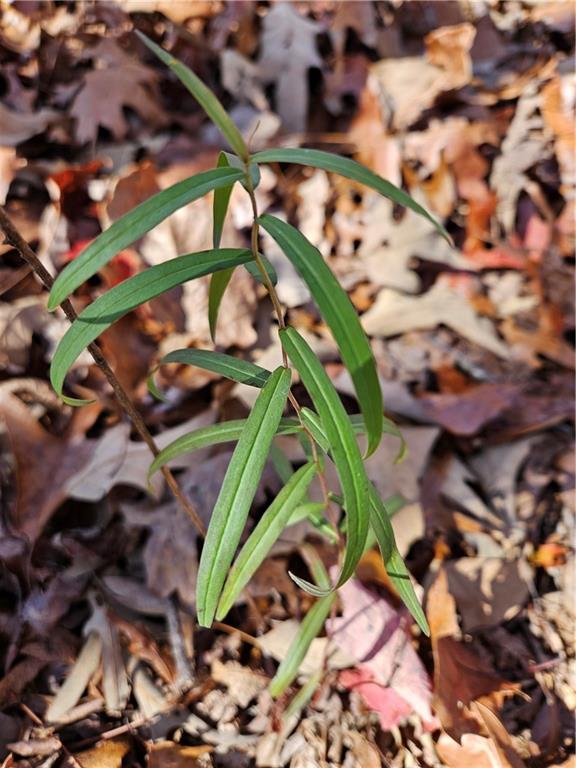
[(153, 387), (260, 541), (339, 313), (314, 424), (128, 295), (230, 367), (308, 630), (393, 562), (220, 204), (237, 492), (226, 432), (133, 225), (350, 169), (218, 284), (343, 448), (303, 696), (203, 96)]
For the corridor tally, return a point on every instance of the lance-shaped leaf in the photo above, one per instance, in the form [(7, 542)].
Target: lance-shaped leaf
[(343, 449), (343, 166), (393, 562), (203, 96), (128, 295), (220, 203), (314, 425), (260, 541), (226, 432), (133, 225), (339, 313), (218, 284), (230, 367), (308, 630), (219, 280), (237, 492)]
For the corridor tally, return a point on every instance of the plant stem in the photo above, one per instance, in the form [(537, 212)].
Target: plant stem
[(282, 324), (13, 237)]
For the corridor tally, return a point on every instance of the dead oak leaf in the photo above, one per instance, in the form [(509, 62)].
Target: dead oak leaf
[(44, 465), (105, 93), (394, 313)]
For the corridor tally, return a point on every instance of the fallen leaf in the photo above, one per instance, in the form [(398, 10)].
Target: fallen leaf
[(488, 591), (394, 313), (120, 82), (45, 463), (167, 754), (288, 50), (170, 554), (77, 679), (449, 49), (389, 675), (114, 682), (460, 676), (17, 127), (278, 640), (242, 683)]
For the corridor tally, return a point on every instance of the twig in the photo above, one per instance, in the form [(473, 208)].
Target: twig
[(13, 237)]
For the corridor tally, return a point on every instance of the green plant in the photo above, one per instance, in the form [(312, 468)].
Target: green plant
[(327, 433)]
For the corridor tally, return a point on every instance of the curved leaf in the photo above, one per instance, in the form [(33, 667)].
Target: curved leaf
[(230, 367), (393, 562), (220, 204), (260, 541), (128, 295), (218, 284), (226, 432), (203, 96), (343, 166), (133, 225), (237, 492), (339, 313), (308, 630), (343, 448)]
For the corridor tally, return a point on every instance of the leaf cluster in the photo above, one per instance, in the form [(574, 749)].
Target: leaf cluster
[(327, 432)]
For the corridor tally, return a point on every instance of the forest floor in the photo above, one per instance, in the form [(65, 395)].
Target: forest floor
[(468, 106)]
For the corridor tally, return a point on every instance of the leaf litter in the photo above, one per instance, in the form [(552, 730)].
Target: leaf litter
[(469, 108)]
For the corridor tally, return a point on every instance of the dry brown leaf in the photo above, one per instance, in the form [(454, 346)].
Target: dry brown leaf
[(394, 313), (108, 753), (105, 92), (449, 48), (178, 12), (242, 683), (114, 682), (167, 754), (288, 50), (488, 590), (36, 747), (170, 554), (44, 465), (77, 679), (460, 676), (17, 127)]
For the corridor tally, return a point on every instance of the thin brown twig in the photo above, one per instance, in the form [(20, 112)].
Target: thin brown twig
[(38, 722), (14, 238)]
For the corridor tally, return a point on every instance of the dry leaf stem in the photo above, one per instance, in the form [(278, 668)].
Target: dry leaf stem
[(13, 237)]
